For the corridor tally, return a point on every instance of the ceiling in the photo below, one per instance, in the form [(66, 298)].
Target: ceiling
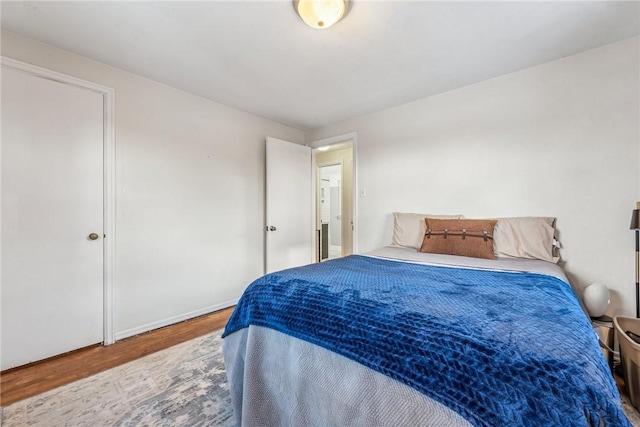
[(260, 57)]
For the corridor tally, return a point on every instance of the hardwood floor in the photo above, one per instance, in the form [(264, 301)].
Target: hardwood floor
[(22, 382)]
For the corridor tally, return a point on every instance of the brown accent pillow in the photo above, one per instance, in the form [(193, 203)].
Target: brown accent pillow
[(464, 237)]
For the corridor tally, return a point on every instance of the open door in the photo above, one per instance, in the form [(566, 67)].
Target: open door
[(288, 206)]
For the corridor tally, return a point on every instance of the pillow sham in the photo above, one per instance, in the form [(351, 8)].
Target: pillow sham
[(528, 237), (464, 237), (409, 228)]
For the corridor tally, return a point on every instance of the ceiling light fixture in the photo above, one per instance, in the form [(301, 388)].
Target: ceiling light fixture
[(321, 14)]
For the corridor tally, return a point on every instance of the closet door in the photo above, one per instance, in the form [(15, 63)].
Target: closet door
[(52, 217)]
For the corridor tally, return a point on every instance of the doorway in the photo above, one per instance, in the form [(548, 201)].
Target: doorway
[(330, 211), (334, 201), (293, 222)]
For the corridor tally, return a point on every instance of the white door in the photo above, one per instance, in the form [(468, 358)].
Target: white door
[(52, 201), (289, 235)]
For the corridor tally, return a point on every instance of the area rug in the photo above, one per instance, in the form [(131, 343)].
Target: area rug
[(184, 385)]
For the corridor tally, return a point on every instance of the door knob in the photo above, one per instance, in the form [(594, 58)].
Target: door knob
[(272, 228), (93, 236)]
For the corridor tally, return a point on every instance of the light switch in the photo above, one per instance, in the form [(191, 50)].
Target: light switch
[(363, 191)]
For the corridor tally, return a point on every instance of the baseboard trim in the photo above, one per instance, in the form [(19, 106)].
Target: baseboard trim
[(175, 319)]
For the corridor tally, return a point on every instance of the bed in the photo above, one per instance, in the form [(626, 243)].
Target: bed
[(400, 337)]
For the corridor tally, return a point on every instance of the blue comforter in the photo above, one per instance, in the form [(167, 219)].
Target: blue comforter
[(499, 348)]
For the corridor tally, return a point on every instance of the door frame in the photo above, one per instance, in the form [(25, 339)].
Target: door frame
[(353, 137), (109, 224)]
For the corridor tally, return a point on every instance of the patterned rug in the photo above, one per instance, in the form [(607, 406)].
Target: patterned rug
[(184, 385)]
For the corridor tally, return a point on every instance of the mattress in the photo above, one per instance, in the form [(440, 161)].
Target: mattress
[(283, 377)]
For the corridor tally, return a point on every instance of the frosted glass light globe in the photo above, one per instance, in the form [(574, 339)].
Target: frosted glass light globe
[(320, 14), (596, 298)]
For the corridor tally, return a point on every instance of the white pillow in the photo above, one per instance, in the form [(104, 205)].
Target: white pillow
[(409, 228), (525, 237)]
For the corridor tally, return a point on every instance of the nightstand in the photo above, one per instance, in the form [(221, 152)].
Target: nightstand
[(603, 326)]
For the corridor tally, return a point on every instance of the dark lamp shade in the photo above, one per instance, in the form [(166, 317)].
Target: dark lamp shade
[(635, 220)]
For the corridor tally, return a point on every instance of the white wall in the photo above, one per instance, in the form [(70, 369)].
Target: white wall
[(560, 139), (189, 196)]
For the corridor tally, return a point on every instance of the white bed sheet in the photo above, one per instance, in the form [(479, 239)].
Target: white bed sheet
[(502, 264), (279, 380)]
